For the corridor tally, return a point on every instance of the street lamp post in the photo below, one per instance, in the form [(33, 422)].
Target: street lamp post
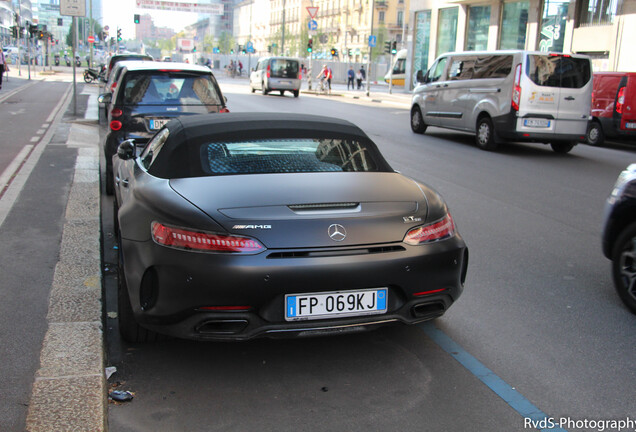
[(370, 49)]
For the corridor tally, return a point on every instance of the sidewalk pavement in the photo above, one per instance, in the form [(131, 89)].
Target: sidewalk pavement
[(69, 392)]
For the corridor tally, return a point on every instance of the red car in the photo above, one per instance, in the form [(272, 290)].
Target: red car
[(613, 107)]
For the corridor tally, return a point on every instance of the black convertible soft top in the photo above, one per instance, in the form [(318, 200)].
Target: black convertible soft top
[(180, 155)]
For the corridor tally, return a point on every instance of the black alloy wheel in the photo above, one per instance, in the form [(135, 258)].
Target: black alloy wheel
[(624, 266)]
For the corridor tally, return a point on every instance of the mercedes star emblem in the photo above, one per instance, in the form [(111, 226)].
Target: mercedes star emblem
[(337, 232)]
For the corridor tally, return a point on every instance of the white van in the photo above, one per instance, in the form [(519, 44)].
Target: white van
[(276, 74), (507, 96)]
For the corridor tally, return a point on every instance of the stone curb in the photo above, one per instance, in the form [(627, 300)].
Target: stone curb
[(69, 392)]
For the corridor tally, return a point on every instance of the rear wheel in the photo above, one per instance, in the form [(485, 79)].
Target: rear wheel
[(296, 93), (595, 135), (265, 91), (129, 329), (282, 92), (417, 121), (624, 266), (562, 147), (485, 134), (253, 89)]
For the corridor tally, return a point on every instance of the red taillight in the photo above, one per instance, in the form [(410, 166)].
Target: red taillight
[(423, 293), (268, 70), (115, 125), (516, 89), (300, 74), (224, 110), (203, 241), (116, 112), (620, 100), (443, 229)]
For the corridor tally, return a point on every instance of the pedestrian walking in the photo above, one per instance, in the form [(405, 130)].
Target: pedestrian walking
[(363, 72), (359, 79), (350, 77), (4, 66)]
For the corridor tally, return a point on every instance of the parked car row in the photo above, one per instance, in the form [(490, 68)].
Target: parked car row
[(235, 206), (227, 226)]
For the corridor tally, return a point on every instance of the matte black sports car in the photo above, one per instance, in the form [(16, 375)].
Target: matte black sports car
[(247, 225)]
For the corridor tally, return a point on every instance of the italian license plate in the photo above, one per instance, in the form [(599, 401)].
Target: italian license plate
[(157, 123), (630, 125), (335, 304), (536, 123)]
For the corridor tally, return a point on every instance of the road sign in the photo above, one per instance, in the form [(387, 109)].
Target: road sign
[(323, 38), (249, 47), (313, 25), (372, 41), (91, 39), (313, 10), (73, 7)]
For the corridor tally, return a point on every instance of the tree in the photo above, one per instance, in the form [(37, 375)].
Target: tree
[(93, 25), (382, 36), (226, 42)]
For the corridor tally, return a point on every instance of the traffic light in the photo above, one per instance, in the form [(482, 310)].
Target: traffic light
[(394, 48), (118, 35), (387, 47), (350, 52), (194, 49), (310, 45), (136, 18), (14, 32), (40, 35), (334, 52), (269, 48)]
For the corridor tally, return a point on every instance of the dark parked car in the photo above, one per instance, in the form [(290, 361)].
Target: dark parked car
[(619, 235), (123, 57), (244, 225), (148, 94), (613, 99)]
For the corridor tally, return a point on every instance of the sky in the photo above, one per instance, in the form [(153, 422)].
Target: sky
[(119, 13)]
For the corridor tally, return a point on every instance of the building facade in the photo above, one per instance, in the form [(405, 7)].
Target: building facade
[(282, 26), (602, 29)]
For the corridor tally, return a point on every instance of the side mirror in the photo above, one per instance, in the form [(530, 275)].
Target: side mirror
[(105, 98), (126, 150)]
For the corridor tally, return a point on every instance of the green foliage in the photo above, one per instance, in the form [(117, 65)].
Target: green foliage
[(226, 43), (93, 25)]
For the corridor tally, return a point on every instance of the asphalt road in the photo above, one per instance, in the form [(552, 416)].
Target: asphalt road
[(539, 310)]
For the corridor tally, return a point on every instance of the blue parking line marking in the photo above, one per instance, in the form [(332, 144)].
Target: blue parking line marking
[(291, 306), (502, 389)]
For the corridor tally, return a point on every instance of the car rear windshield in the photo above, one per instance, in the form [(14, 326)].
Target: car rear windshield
[(169, 88), (282, 68), (288, 155), (552, 70)]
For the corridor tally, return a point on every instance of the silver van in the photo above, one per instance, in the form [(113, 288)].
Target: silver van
[(507, 96), (276, 74)]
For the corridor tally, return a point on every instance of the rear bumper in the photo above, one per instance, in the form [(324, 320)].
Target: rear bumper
[(282, 84), (509, 127), (176, 286)]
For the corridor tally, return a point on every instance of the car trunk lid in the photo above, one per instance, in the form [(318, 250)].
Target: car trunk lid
[(304, 210)]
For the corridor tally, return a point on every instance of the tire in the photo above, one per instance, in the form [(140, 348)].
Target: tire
[(485, 134), (417, 120), (624, 266), (282, 92), (562, 147), (129, 329), (296, 93), (253, 89), (87, 78), (265, 91), (595, 135)]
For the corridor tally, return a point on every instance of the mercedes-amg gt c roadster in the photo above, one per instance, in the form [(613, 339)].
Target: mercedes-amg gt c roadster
[(246, 225)]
